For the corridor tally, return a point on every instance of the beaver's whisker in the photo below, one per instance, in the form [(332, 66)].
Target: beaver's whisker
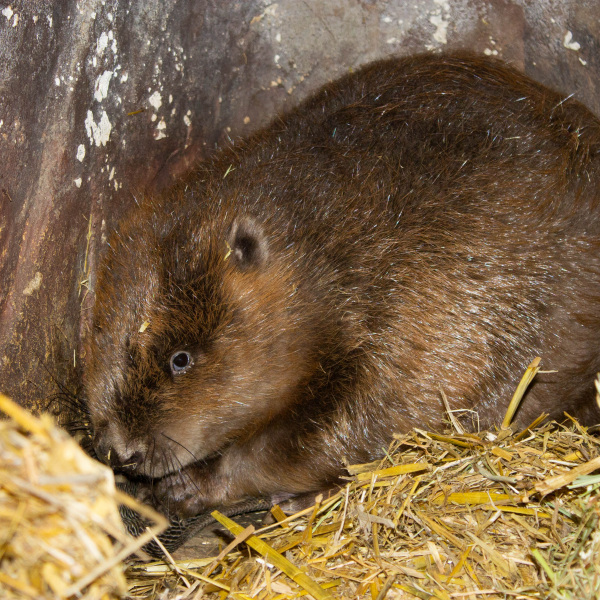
[(181, 446)]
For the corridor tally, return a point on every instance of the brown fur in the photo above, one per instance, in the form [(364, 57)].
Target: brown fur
[(425, 222)]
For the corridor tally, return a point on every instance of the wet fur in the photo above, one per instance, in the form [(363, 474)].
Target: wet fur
[(425, 222)]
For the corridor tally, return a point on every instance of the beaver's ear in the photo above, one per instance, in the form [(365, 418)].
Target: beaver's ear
[(248, 243)]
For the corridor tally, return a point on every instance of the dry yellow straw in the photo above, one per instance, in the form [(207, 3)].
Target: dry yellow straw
[(527, 378), (61, 520), (275, 558)]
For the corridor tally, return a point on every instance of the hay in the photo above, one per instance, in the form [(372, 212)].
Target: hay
[(490, 515), (61, 534)]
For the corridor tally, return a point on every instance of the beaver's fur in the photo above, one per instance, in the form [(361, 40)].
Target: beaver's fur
[(425, 223)]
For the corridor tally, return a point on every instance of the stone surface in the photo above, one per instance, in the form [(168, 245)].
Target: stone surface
[(102, 99)]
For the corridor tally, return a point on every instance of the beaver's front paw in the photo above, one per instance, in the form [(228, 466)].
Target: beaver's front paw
[(182, 494)]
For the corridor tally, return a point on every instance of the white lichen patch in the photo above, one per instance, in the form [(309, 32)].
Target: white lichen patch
[(441, 32), (77, 182), (102, 43), (491, 50), (569, 43), (99, 133), (33, 285), (439, 18), (101, 86), (155, 100), (160, 130), (113, 46), (80, 155), (10, 14)]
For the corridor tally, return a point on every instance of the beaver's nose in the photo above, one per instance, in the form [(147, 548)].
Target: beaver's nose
[(116, 452), (127, 463)]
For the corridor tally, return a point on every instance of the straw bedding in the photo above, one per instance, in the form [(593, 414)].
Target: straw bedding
[(503, 514)]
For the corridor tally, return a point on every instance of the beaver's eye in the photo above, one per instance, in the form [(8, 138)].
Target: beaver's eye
[(180, 362)]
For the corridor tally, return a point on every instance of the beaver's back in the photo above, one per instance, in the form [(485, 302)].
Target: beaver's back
[(446, 211)]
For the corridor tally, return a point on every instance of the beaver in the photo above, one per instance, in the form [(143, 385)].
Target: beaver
[(424, 223)]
